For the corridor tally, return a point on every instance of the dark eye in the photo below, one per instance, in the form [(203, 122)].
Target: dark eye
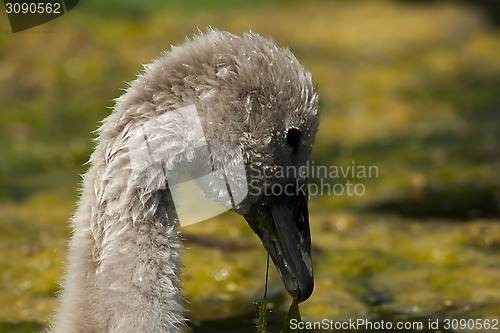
[(293, 137)]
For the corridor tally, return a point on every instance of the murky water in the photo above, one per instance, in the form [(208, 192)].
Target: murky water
[(426, 275), (247, 324)]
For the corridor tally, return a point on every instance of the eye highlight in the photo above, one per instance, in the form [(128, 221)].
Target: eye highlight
[(293, 137)]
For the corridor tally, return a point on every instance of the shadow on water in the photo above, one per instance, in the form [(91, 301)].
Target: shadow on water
[(247, 324), (240, 316), (457, 202), (21, 327), (379, 312), (490, 8)]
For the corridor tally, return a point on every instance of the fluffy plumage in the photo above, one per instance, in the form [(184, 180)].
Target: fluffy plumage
[(123, 263)]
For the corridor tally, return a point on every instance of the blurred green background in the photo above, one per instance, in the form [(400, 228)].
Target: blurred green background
[(411, 87)]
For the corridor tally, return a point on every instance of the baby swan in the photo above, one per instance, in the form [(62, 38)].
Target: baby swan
[(123, 270)]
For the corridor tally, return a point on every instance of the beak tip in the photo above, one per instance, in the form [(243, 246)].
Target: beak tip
[(306, 292), (302, 291)]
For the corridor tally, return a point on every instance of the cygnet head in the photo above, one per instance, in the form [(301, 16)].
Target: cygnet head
[(256, 98)]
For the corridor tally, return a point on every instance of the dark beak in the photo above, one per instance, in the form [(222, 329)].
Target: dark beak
[(282, 224)]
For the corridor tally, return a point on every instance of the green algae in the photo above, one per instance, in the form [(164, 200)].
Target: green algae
[(417, 98), (292, 314), (262, 305), (420, 266)]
